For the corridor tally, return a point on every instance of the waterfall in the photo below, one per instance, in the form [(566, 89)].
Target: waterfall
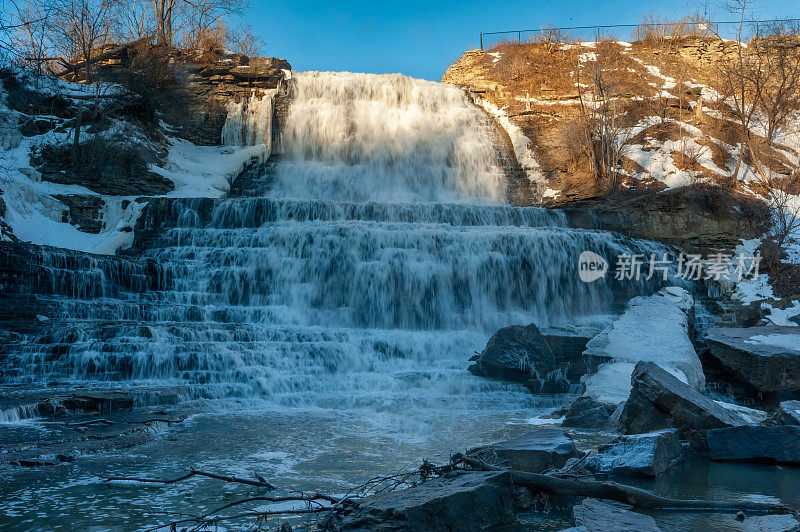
[(249, 122), (361, 137), (376, 259)]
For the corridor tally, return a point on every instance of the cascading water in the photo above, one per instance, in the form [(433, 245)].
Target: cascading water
[(377, 259), (325, 323), (249, 122)]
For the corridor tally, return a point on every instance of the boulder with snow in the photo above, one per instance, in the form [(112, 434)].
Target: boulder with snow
[(534, 451), (641, 455), (516, 353), (597, 516), (756, 443), (659, 400), (464, 501), (788, 413), (652, 329), (766, 358), (586, 412)]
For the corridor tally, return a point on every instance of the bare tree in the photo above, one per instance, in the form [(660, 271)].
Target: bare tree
[(81, 28), (601, 113), (783, 195), (24, 33), (742, 81), (551, 37), (241, 39), (131, 20), (186, 20), (779, 95)]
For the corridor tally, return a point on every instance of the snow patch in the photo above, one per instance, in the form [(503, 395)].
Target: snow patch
[(784, 341), (653, 329)]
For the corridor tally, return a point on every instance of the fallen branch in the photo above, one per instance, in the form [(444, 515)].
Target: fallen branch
[(261, 483), (638, 498), (211, 517)]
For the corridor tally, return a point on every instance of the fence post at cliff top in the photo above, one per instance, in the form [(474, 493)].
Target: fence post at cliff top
[(481, 40)]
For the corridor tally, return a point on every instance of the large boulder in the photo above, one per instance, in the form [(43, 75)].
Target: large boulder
[(756, 443), (597, 516), (534, 451), (659, 400), (586, 412), (788, 413), (516, 353), (641, 455), (568, 345), (465, 501), (654, 329), (766, 358)]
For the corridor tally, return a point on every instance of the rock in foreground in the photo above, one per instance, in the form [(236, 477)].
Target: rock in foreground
[(643, 455), (766, 358), (521, 354), (464, 502), (597, 516), (755, 443), (534, 451), (586, 412), (788, 413), (659, 400)]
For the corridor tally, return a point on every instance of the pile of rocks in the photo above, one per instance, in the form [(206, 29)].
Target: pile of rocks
[(662, 421)]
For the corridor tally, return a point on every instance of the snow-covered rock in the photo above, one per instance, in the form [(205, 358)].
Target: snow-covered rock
[(645, 455), (652, 329), (767, 358)]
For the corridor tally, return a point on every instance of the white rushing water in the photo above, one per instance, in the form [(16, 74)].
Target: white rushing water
[(332, 288), (330, 317)]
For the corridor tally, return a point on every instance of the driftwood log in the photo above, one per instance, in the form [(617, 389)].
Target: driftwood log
[(607, 490), (638, 498)]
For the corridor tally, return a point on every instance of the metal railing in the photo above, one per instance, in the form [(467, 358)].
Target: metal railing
[(634, 32)]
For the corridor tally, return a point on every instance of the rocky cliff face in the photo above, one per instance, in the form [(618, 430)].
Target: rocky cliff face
[(80, 154), (675, 126), (675, 130)]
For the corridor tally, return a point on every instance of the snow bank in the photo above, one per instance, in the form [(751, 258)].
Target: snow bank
[(653, 328), (204, 171), (749, 290)]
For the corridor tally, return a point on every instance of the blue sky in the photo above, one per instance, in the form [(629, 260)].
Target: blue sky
[(421, 38)]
